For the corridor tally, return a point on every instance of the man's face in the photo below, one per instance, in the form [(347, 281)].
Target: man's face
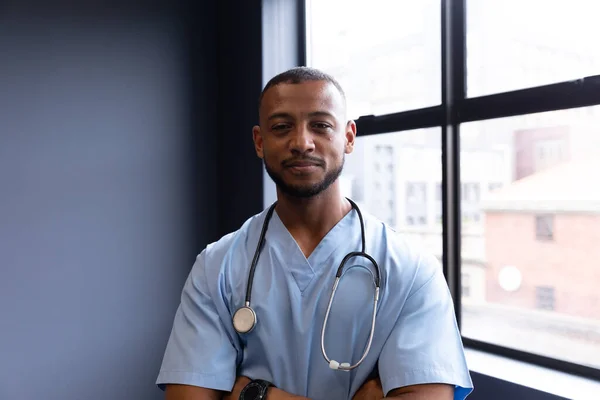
[(303, 136)]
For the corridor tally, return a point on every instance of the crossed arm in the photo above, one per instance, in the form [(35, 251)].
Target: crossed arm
[(410, 345), (371, 390)]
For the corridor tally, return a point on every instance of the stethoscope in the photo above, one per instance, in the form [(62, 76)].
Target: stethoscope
[(244, 319)]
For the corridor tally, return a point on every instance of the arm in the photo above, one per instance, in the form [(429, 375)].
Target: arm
[(430, 391), (272, 394), (186, 392), (200, 359), (423, 357)]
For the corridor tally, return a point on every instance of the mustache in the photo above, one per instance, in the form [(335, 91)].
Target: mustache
[(307, 159)]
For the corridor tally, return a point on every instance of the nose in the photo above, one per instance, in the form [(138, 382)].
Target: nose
[(302, 141)]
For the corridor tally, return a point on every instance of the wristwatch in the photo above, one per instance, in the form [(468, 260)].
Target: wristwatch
[(255, 390)]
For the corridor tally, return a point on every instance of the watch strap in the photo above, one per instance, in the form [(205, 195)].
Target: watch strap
[(256, 389)]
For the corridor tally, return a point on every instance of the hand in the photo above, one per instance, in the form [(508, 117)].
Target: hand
[(240, 383), (370, 390)]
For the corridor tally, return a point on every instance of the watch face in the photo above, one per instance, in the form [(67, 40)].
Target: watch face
[(252, 391)]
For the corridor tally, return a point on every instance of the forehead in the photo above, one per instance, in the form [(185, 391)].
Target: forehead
[(305, 97)]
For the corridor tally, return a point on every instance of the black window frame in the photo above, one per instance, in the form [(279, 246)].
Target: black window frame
[(455, 109)]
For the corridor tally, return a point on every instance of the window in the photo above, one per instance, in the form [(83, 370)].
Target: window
[(466, 285), (548, 153), (528, 203), (522, 217), (494, 186), (387, 62), (544, 298), (513, 44), (544, 227), (416, 202), (470, 192), (416, 192), (401, 199)]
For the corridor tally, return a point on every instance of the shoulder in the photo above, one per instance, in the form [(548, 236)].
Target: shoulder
[(405, 263), (231, 246)]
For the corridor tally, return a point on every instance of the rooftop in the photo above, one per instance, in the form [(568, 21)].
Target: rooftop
[(570, 187)]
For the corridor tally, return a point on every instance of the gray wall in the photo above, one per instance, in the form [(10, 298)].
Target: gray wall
[(102, 181)]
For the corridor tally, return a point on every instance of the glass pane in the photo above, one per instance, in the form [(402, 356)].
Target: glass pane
[(385, 53), (531, 233), (515, 44), (380, 175)]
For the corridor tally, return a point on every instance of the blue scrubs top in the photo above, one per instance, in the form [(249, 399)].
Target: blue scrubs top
[(416, 338)]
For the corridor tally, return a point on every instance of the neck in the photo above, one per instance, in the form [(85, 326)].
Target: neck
[(314, 216)]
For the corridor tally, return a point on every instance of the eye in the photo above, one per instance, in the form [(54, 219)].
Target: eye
[(322, 126), (280, 127)]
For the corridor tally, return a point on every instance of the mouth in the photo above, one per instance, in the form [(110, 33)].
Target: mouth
[(302, 167), (301, 164)]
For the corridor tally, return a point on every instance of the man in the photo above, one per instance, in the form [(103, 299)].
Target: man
[(416, 350)]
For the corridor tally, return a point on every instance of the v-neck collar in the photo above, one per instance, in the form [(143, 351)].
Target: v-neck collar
[(304, 269)]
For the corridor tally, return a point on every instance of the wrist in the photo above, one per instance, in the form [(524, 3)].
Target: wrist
[(277, 394), (255, 389)]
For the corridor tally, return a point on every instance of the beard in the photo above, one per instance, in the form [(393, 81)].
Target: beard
[(305, 190)]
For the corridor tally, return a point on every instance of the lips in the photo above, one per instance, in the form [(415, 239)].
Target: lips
[(302, 168), (301, 165)]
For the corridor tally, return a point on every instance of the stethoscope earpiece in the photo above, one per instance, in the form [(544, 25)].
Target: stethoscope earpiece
[(337, 366), (244, 319)]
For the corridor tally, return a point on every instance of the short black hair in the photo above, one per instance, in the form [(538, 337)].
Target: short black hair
[(299, 75)]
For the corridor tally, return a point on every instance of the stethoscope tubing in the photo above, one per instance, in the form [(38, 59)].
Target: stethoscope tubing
[(248, 309), (345, 367)]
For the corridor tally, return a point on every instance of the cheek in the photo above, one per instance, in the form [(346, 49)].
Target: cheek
[(270, 156), (336, 147)]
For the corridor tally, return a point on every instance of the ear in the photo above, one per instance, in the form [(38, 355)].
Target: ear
[(258, 141), (350, 136)]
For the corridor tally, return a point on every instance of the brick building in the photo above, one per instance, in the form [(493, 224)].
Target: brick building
[(542, 240)]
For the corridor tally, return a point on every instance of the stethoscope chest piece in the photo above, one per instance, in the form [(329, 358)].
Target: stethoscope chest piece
[(244, 319)]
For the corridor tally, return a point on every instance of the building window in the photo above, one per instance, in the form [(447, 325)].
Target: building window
[(470, 192), (466, 285), (387, 150), (493, 186), (548, 153), (438, 191), (416, 192), (544, 227), (544, 298), (416, 203)]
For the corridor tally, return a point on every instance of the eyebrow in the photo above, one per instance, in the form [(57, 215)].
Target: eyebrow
[(321, 114), (312, 114), (279, 115)]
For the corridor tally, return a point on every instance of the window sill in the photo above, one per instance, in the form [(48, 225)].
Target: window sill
[(544, 379)]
